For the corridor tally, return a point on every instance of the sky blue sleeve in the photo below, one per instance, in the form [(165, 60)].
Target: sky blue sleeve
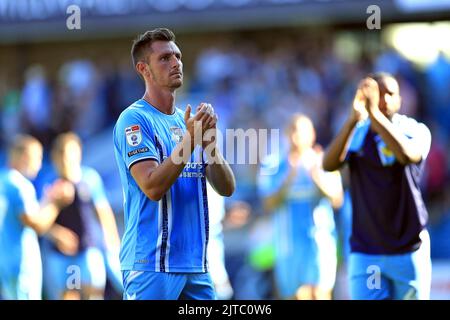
[(134, 136), (25, 200), (357, 139), (417, 132)]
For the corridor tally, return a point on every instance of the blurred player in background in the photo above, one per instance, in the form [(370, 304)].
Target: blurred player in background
[(161, 161), (22, 218), (386, 154), (302, 196), (91, 221), (216, 250)]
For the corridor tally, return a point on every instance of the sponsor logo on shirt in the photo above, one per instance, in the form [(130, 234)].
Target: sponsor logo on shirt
[(193, 170), (137, 151), (133, 134), (141, 261)]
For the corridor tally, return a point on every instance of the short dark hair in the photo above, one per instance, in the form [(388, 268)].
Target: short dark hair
[(62, 140), (144, 42), (22, 143)]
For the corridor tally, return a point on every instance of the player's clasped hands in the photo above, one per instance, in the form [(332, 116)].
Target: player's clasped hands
[(203, 120), (367, 96), (371, 92)]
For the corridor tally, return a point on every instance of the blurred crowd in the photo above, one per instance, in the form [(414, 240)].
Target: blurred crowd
[(250, 86)]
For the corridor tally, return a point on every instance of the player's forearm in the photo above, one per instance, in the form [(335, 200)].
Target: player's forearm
[(43, 221), (336, 197), (220, 175), (278, 197), (109, 226), (54, 232), (164, 176), (331, 188), (405, 152), (335, 154)]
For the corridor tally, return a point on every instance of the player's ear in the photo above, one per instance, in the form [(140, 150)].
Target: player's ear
[(141, 68), (138, 67)]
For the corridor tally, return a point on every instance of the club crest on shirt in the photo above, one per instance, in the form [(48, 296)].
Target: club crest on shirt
[(133, 134), (177, 134)]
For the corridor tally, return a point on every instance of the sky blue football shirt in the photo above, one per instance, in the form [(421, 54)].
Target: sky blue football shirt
[(169, 235), (19, 247)]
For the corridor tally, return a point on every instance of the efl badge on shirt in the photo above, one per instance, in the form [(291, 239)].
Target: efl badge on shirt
[(177, 134), (134, 136)]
